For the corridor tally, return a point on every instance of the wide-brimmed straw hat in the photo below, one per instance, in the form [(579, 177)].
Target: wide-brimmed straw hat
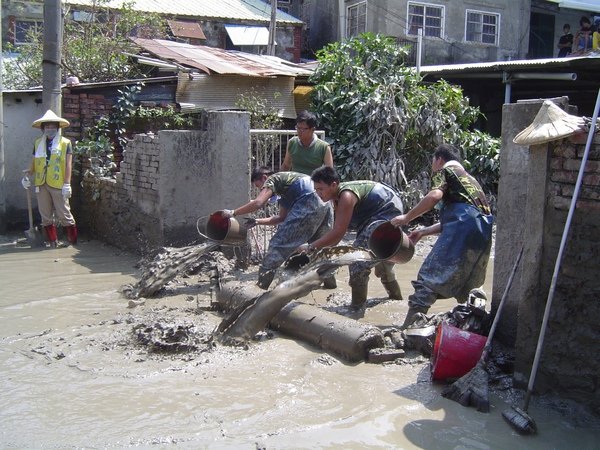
[(50, 117), (550, 123)]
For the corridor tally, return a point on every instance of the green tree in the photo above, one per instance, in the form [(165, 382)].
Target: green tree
[(92, 50), (383, 119)]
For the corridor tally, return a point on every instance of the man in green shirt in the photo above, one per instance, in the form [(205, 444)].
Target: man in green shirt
[(302, 217), (362, 206), (306, 152)]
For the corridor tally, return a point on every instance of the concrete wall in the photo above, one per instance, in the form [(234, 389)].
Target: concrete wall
[(535, 217), (20, 110), (390, 17), (168, 181)]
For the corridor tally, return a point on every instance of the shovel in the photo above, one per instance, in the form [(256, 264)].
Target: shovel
[(34, 237)]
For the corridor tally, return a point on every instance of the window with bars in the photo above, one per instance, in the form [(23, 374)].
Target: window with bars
[(482, 27), (356, 22), (25, 29), (428, 17)]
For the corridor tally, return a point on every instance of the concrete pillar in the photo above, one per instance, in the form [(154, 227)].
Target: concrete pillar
[(520, 215)]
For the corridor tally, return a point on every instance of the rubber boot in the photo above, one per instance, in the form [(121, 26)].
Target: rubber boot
[(411, 315), (330, 283), (265, 277), (359, 295), (393, 289), (51, 235), (72, 234)]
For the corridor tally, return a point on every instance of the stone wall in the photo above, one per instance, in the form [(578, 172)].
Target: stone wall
[(545, 183), (166, 183)]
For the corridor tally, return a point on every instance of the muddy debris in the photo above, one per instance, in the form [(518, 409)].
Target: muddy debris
[(171, 338), (170, 262)]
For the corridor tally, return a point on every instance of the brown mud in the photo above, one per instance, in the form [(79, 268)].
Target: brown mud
[(84, 367)]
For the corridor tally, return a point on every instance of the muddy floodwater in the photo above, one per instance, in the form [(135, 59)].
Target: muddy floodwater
[(78, 372)]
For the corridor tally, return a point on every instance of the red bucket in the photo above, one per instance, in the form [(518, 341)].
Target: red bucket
[(225, 230), (455, 352)]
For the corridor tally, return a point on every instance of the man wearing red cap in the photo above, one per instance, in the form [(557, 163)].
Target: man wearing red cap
[(51, 167)]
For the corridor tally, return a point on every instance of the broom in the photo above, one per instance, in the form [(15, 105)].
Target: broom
[(472, 388)]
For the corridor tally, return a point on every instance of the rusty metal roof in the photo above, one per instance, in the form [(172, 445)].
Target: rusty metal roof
[(243, 10), (215, 60), (186, 29)]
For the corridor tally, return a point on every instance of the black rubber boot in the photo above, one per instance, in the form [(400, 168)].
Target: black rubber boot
[(359, 295), (330, 283), (265, 277), (393, 289), (411, 316)]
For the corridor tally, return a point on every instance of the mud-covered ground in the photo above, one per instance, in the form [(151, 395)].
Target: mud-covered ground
[(83, 366)]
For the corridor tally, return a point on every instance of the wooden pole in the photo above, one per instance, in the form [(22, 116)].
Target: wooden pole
[(272, 28)]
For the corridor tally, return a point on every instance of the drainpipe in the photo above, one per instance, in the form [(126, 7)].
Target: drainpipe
[(507, 87), (419, 49), (342, 18)]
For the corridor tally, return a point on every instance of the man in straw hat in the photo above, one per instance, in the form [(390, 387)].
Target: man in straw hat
[(51, 168), (457, 262)]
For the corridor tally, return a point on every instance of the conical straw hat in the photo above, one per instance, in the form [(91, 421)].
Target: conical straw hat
[(550, 123), (50, 117)]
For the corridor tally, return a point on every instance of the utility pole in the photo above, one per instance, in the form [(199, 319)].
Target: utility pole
[(2, 169), (272, 28), (51, 73)]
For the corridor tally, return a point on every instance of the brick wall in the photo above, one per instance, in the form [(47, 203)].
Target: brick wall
[(166, 183), (569, 363), (124, 211), (82, 110)]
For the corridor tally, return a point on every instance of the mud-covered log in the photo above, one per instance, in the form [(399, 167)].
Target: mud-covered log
[(337, 334), (341, 335)]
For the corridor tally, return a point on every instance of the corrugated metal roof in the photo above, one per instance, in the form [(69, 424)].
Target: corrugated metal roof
[(247, 10), (216, 60), (498, 66)]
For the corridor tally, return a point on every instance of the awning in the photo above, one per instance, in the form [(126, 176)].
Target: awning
[(583, 5), (242, 35), (186, 29)]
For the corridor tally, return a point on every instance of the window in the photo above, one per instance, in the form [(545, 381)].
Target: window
[(24, 30), (286, 8), (482, 27), (356, 21), (428, 17)]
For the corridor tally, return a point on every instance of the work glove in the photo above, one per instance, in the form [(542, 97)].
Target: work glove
[(66, 190), (25, 182), (227, 213), (249, 222), (305, 248)]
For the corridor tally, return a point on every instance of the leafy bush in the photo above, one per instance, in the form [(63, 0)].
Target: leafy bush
[(385, 122)]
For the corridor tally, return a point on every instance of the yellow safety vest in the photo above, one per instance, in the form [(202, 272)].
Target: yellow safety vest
[(52, 172)]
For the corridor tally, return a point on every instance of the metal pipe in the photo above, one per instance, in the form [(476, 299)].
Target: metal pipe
[(419, 49), (570, 76)]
